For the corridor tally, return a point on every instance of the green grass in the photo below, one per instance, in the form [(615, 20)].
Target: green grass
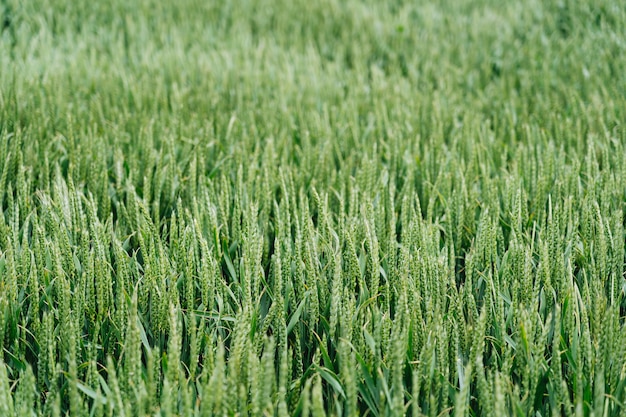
[(272, 208)]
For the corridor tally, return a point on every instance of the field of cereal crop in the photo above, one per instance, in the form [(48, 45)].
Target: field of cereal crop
[(310, 208)]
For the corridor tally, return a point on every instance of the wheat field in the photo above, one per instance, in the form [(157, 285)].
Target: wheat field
[(312, 208)]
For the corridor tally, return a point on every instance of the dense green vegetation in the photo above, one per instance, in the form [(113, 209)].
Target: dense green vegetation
[(272, 207)]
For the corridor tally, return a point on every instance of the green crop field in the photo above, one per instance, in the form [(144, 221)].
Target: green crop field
[(312, 208)]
